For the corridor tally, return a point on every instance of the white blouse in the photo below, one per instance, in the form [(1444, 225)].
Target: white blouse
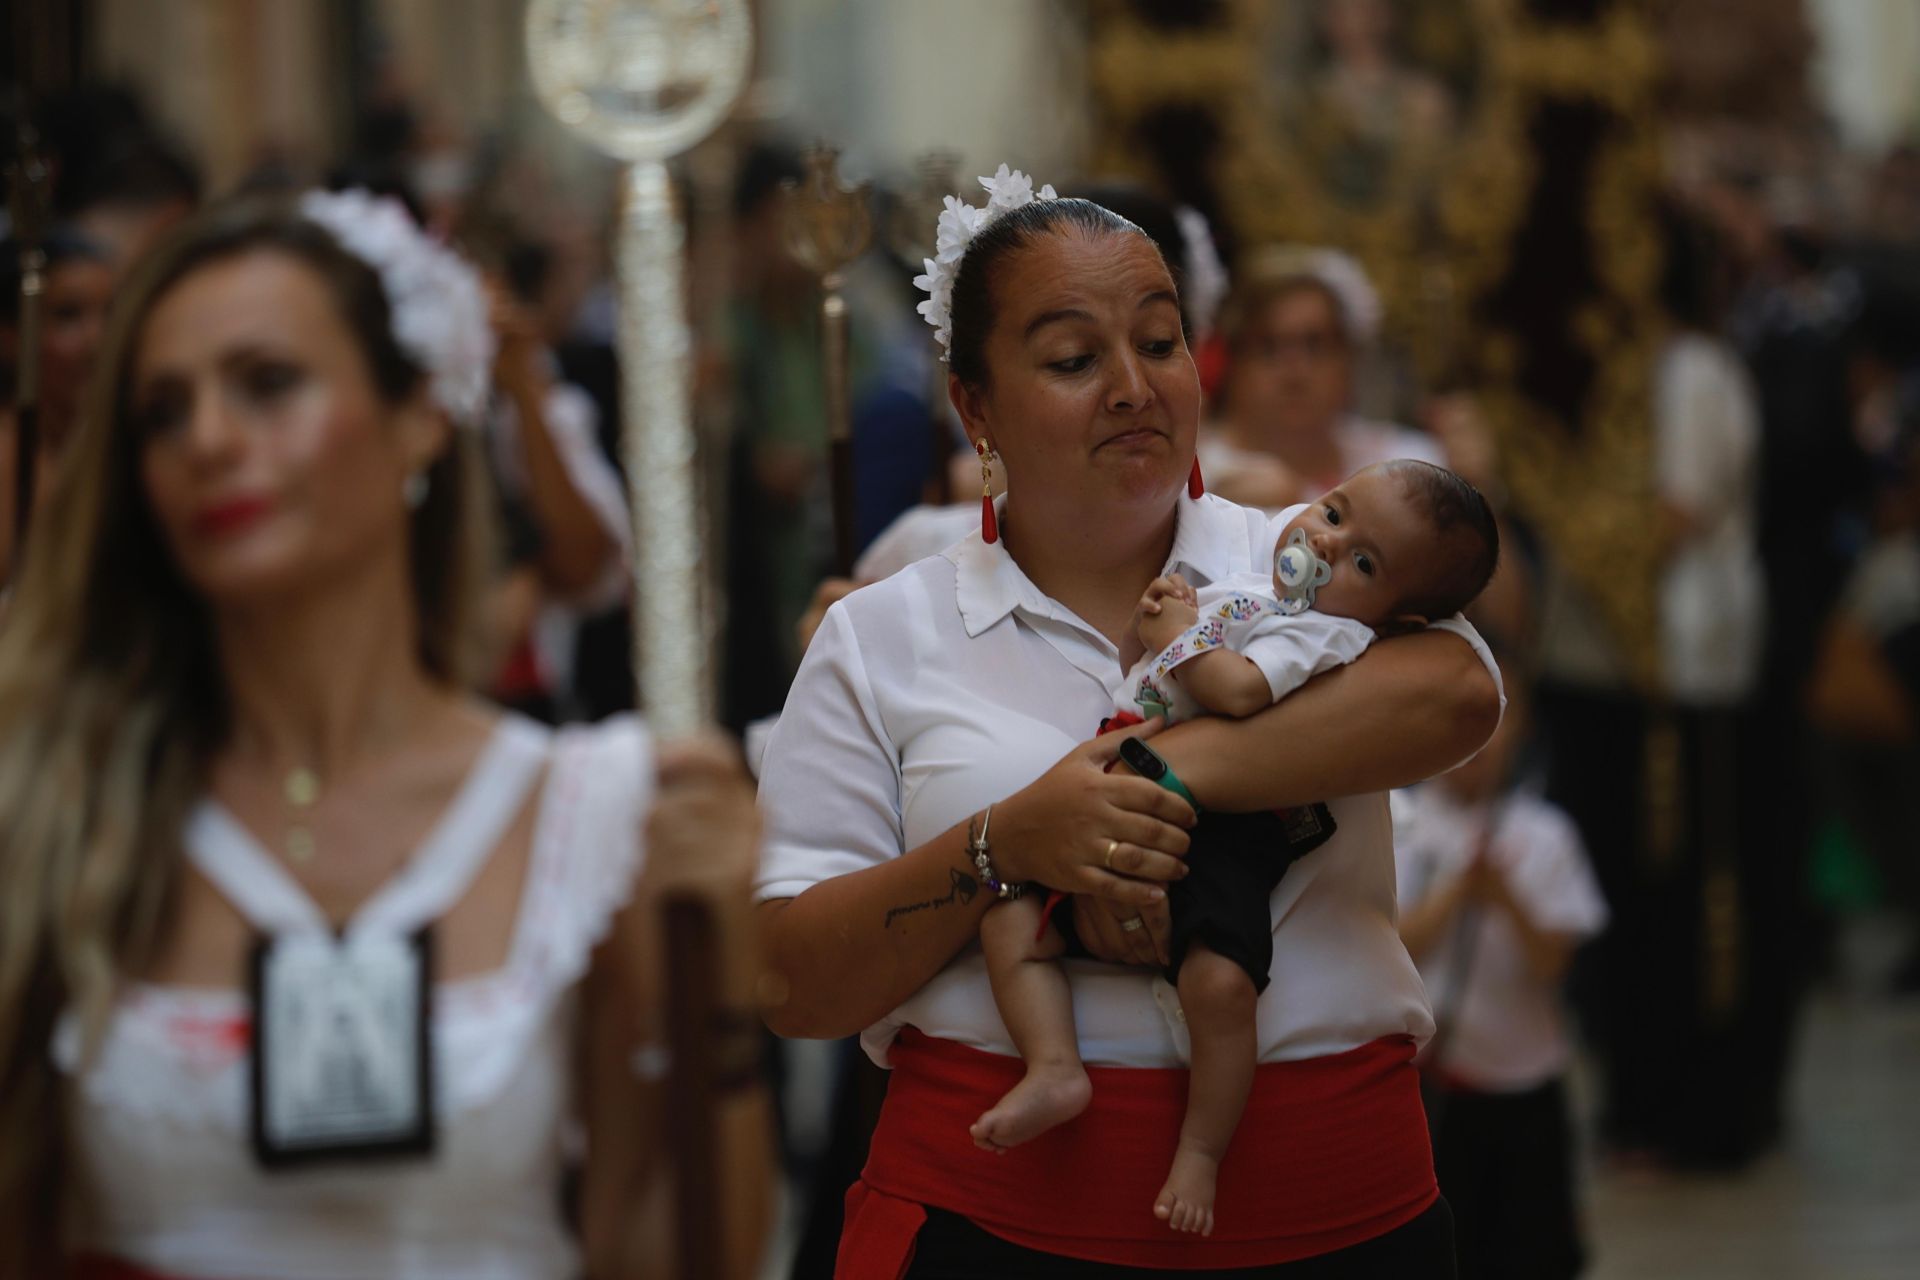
[(955, 683), (1507, 1033), (159, 1117)]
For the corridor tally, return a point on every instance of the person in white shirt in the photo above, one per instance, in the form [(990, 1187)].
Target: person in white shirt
[(1495, 894), (1394, 547), (1713, 599), (933, 753), (241, 778)]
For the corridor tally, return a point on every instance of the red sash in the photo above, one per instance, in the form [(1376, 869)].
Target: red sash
[(1331, 1151)]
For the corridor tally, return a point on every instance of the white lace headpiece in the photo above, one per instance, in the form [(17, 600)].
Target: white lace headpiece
[(439, 309), (960, 222)]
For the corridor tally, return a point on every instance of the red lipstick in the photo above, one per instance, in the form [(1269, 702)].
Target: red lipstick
[(225, 518)]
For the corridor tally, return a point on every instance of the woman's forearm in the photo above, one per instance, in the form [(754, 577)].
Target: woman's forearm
[(851, 948), (1406, 709), (574, 544)]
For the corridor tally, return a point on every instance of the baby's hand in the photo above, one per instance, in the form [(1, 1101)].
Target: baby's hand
[(1169, 607)]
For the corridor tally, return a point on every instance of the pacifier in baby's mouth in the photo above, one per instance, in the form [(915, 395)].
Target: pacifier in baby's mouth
[(1298, 573)]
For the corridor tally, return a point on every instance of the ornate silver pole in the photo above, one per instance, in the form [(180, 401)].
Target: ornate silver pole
[(663, 479), (644, 80)]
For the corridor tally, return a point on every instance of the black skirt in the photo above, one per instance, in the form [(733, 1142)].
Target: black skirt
[(949, 1247)]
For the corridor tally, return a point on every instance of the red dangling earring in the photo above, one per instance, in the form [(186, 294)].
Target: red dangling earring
[(989, 523), (1195, 485)]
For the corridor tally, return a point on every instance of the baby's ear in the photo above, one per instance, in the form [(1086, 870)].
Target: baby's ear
[(1405, 624)]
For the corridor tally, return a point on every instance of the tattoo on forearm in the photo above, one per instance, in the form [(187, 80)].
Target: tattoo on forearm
[(961, 888)]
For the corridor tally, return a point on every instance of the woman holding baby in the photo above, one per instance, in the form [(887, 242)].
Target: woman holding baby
[(938, 754)]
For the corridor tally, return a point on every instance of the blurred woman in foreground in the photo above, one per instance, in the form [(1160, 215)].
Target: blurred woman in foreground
[(279, 896)]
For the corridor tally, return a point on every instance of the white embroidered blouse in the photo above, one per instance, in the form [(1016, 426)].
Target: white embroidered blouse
[(1242, 615), (159, 1119)]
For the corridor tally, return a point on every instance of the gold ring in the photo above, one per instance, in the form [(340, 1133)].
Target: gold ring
[(1112, 845)]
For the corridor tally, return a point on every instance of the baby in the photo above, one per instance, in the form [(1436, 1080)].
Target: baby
[(1393, 548)]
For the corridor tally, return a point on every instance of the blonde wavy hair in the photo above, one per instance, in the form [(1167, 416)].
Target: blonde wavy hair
[(112, 702)]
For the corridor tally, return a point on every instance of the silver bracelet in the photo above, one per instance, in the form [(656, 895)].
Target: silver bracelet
[(977, 846)]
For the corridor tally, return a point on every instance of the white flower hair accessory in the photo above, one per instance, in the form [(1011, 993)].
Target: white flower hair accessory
[(439, 309), (1205, 286), (960, 222)]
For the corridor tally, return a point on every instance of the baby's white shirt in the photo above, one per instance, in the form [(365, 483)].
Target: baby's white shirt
[(1241, 613)]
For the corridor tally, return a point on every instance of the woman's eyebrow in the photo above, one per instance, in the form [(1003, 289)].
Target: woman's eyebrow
[(251, 351), (1046, 318)]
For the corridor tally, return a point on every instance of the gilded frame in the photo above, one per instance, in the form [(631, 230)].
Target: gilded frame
[(1582, 479)]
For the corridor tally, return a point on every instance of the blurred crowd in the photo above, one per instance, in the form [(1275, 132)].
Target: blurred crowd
[(1708, 832)]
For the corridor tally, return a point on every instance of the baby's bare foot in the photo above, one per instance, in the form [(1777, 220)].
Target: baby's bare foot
[(1186, 1202), (1047, 1096)]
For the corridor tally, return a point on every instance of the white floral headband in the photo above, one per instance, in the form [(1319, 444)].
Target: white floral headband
[(1007, 190), (1205, 286), (439, 309)]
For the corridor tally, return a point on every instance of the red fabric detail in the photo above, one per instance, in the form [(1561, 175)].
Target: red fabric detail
[(1054, 899), (1195, 485), (989, 523), (1210, 361), (878, 1235), (1332, 1151), (1117, 721), (211, 1041), (94, 1266)]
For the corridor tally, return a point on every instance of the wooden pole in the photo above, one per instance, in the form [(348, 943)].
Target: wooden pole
[(693, 1103)]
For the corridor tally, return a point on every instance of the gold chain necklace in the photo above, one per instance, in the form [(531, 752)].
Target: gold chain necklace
[(302, 792)]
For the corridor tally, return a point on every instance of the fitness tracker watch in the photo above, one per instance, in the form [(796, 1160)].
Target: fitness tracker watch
[(1149, 764)]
